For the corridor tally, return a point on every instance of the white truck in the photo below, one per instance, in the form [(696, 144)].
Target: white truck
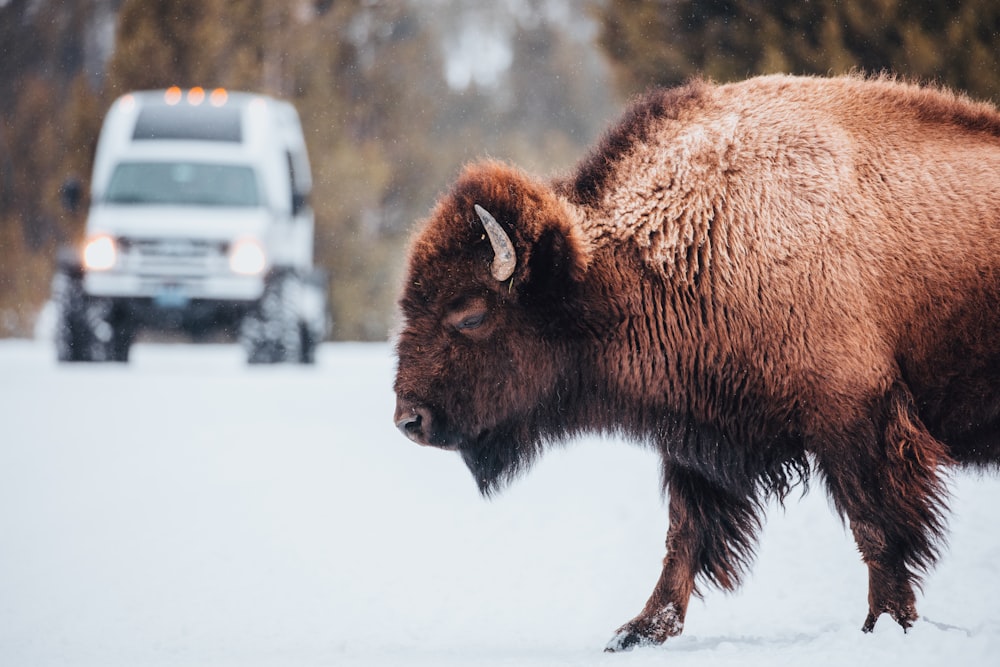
[(199, 222)]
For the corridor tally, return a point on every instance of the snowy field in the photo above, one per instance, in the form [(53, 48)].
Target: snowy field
[(187, 510)]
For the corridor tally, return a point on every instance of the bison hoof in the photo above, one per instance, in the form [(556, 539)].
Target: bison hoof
[(626, 640), (646, 631), (905, 618)]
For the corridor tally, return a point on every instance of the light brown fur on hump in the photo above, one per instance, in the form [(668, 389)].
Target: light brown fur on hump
[(772, 164)]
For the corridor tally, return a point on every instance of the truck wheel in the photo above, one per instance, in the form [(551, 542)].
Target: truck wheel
[(72, 337), (87, 329), (307, 353), (122, 335), (75, 338), (270, 331)]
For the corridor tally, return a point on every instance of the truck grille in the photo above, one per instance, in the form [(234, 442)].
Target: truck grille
[(173, 257)]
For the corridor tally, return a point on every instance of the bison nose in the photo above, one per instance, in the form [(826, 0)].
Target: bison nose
[(413, 421)]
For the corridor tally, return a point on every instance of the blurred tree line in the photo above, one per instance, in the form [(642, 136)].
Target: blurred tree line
[(395, 95), (385, 130), (664, 42)]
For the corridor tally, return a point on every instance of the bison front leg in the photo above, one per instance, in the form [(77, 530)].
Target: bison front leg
[(711, 533)]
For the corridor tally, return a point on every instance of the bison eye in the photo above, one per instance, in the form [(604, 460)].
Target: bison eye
[(468, 317), (471, 321)]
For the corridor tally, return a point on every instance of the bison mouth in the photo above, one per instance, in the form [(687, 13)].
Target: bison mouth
[(494, 455)]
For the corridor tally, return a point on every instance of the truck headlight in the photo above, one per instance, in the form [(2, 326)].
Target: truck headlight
[(100, 253), (247, 257)]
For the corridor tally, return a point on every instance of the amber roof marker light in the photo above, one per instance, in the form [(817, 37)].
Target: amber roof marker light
[(218, 97)]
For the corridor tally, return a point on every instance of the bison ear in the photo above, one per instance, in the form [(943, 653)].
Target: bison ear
[(555, 262)]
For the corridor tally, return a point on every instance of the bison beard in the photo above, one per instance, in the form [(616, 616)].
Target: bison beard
[(759, 280), (498, 456)]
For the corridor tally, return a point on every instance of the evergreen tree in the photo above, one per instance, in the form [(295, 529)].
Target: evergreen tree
[(663, 42), (42, 142), (156, 46)]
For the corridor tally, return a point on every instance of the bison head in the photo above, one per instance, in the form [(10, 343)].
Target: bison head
[(490, 310)]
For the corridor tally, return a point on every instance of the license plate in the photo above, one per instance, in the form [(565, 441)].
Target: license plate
[(171, 296)]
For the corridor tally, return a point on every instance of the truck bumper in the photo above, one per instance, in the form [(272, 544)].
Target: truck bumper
[(174, 290)]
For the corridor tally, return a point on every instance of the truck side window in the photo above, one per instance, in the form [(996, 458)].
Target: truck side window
[(298, 197)]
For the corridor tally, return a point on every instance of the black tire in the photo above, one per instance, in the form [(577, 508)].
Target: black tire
[(122, 336), (307, 353), (270, 331), (72, 337), (88, 329)]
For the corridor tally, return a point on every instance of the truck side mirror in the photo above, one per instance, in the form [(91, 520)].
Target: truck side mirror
[(71, 194)]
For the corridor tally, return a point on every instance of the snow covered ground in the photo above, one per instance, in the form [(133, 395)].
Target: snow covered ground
[(187, 510)]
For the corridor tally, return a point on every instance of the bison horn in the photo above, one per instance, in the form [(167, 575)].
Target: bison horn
[(504, 259)]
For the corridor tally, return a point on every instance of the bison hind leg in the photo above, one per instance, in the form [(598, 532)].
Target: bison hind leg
[(886, 476)]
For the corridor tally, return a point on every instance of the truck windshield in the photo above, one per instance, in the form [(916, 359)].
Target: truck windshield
[(183, 183)]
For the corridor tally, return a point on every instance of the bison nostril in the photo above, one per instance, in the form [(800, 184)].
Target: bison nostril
[(413, 421), (410, 425)]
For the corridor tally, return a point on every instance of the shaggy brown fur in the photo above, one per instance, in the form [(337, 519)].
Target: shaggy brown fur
[(753, 278)]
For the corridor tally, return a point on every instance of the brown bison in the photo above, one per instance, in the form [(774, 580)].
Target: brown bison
[(759, 280)]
